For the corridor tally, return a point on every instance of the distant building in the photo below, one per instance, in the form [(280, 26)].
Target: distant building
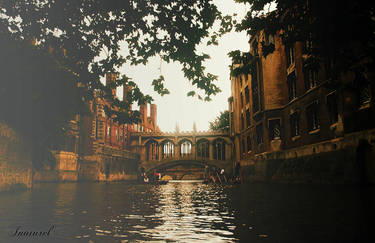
[(100, 131)]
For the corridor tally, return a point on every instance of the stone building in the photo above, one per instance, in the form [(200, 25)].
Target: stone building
[(286, 110), (105, 144)]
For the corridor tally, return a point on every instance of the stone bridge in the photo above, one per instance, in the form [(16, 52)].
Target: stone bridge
[(179, 154)]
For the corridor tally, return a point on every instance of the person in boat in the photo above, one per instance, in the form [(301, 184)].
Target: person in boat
[(156, 176), (222, 176)]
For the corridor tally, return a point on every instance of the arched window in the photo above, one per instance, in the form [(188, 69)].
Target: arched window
[(168, 149), (219, 149), (203, 149), (185, 148), (152, 150)]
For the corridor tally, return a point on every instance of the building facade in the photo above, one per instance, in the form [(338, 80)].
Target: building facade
[(284, 104)]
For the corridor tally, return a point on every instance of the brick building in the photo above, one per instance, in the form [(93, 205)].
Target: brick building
[(285, 105), (98, 130)]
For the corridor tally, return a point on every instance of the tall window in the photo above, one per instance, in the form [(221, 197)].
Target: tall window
[(309, 43), (242, 122), (294, 124), (292, 86), (259, 134), (241, 98), (248, 117), (168, 149), (332, 108), (255, 92), (185, 148), (248, 143), (219, 149), (247, 94), (312, 114), (311, 77), (203, 149), (289, 52), (274, 129)]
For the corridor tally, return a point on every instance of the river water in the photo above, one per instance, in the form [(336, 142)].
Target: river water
[(186, 211)]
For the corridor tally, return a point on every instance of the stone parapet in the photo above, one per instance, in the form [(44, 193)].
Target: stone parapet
[(65, 161)]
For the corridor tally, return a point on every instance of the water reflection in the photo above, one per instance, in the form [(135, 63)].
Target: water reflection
[(186, 212)]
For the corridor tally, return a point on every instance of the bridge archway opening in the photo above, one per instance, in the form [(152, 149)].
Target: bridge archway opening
[(192, 176), (179, 168)]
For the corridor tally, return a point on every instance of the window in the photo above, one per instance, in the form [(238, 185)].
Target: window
[(259, 134), (312, 114), (311, 77), (271, 40), (185, 148), (292, 86), (309, 43), (255, 92), (203, 149), (108, 130), (294, 124), (332, 108), (274, 129), (219, 149), (152, 150), (247, 94), (248, 143), (289, 52), (241, 97), (242, 122), (248, 117), (168, 149)]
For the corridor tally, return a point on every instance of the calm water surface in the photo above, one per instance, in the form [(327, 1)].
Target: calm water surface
[(187, 212)]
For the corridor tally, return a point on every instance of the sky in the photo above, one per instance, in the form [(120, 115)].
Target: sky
[(176, 107)]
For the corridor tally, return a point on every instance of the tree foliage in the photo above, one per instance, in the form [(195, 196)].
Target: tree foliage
[(342, 32), (221, 123), (79, 31)]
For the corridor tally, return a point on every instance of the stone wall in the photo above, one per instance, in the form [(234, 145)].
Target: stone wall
[(15, 161), (66, 169), (339, 161), (107, 168)]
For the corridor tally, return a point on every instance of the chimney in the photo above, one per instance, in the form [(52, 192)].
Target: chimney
[(109, 78), (143, 111), (153, 114), (127, 90)]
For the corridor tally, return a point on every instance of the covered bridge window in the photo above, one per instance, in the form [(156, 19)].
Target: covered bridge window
[(219, 149)]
